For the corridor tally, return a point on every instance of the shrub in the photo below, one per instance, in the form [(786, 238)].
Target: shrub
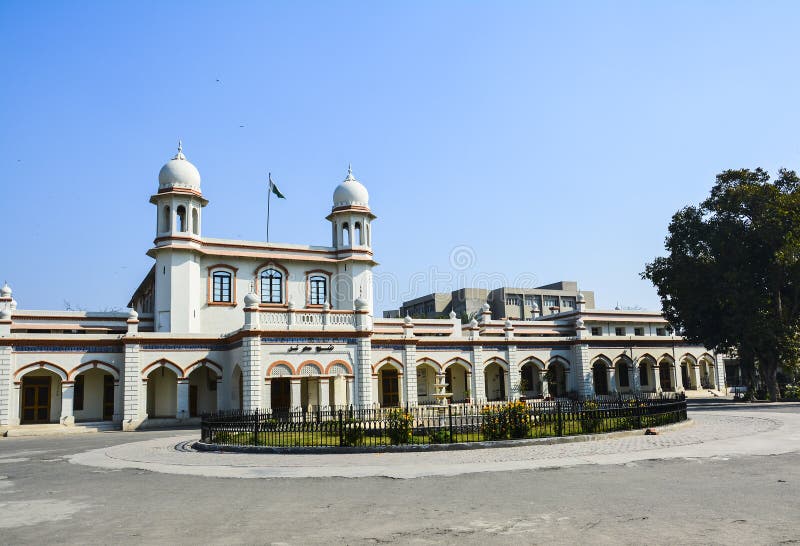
[(352, 433), (439, 436), (399, 427), (591, 418), (792, 392), (511, 420)]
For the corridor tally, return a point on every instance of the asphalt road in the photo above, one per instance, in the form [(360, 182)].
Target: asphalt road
[(45, 499)]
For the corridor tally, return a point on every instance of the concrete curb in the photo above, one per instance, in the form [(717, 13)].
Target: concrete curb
[(414, 448)]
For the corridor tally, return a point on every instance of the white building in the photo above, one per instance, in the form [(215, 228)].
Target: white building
[(225, 324)]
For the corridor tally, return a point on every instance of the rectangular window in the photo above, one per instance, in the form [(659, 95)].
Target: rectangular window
[(638, 331), (77, 398), (597, 331), (568, 303), (222, 287), (512, 300), (619, 330), (551, 301), (318, 287), (529, 301), (661, 331)]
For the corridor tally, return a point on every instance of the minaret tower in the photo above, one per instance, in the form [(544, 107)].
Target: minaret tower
[(351, 231), (179, 204)]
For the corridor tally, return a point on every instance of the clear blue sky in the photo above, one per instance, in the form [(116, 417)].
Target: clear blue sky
[(554, 139)]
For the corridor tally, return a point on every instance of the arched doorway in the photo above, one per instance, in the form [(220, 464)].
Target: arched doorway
[(495, 382), (388, 387), (687, 377), (162, 393), (202, 391), (600, 377), (40, 397), (647, 380), (665, 375), (556, 379), (457, 378), (93, 396), (530, 380), (426, 380), (707, 379), (623, 375)]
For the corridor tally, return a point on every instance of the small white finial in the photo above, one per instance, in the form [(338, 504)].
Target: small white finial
[(180, 155)]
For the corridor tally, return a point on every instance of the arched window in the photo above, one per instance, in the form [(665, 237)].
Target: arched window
[(345, 234), (181, 218), (165, 220), (271, 286), (221, 287), (358, 236), (195, 222), (318, 290)]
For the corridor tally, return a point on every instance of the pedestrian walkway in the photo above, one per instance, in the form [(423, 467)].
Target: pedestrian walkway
[(712, 434)]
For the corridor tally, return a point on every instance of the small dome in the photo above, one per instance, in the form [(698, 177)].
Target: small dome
[(133, 315), (581, 298), (508, 325), (250, 300), (473, 323), (579, 324), (485, 307), (452, 315), (407, 320), (5, 292), (350, 192), (5, 314), (361, 304), (179, 173)]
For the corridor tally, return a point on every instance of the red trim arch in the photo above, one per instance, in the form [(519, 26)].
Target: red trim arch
[(496, 360), (430, 362), (536, 362), (314, 363), (42, 365), (458, 361), (280, 363), (343, 363), (602, 358), (558, 360), (203, 363), (94, 364), (388, 360), (165, 364)]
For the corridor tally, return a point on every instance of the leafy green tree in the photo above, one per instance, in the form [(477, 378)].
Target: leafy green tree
[(731, 277)]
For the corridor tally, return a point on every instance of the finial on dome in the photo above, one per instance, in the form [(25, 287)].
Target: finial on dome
[(350, 172), (180, 155)]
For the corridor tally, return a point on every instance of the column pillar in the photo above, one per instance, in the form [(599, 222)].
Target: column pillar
[(134, 396), (267, 401), (350, 381), (364, 396), (183, 399), (636, 384), (612, 379), (676, 368), (296, 396), (545, 384), (512, 387), (581, 371), (13, 409), (251, 373), (67, 399), (657, 377), (695, 371), (117, 417), (478, 379), (6, 386), (410, 376), (401, 397), (324, 392)]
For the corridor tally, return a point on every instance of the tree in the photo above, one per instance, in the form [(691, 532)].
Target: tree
[(731, 277)]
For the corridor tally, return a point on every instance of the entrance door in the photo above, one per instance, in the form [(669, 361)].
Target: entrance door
[(108, 398), (193, 400), (281, 394), (665, 376), (391, 395), (35, 400)]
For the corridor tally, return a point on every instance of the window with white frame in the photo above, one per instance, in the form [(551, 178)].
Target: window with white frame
[(512, 300), (568, 303), (271, 286), (221, 287), (318, 287)]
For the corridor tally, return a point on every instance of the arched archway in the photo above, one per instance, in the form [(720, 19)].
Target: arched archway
[(707, 376), (94, 395), (494, 376), (647, 380), (600, 377), (622, 373), (202, 390), (457, 377), (162, 392), (388, 386), (426, 380), (556, 379), (40, 396), (530, 383), (665, 376)]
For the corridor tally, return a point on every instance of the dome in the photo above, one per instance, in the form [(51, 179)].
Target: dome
[(350, 192), (5, 292), (133, 315), (361, 304), (250, 300), (179, 173), (581, 298)]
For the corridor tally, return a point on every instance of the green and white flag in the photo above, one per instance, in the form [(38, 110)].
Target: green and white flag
[(274, 189)]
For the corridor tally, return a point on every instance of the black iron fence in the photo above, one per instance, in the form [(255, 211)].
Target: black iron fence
[(366, 427)]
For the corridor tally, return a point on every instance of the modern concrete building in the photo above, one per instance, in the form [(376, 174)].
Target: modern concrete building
[(226, 324)]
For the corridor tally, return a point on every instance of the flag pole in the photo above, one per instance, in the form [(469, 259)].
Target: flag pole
[(269, 194)]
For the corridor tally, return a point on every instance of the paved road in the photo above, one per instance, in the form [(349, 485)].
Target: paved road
[(734, 498)]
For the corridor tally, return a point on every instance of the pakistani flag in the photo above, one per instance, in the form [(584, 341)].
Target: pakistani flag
[(274, 189)]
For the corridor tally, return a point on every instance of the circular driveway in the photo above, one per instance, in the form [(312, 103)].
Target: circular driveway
[(713, 433)]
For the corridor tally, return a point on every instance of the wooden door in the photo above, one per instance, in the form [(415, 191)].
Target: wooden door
[(35, 400), (391, 394), (108, 398), (281, 394)]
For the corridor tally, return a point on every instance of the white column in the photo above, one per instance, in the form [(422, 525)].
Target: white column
[(678, 377), (183, 399), (545, 385), (410, 376), (6, 386), (267, 394), (478, 379), (695, 371), (324, 392), (117, 417), (67, 399), (512, 385), (251, 373), (657, 377), (134, 405), (581, 370), (296, 400), (13, 409), (350, 381), (612, 379), (635, 383), (365, 395)]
